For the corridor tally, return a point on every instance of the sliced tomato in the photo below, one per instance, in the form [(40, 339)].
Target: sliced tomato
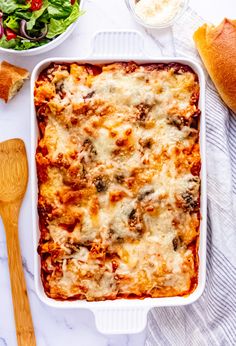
[(10, 34), (36, 5)]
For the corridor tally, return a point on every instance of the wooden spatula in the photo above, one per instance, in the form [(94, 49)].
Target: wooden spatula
[(13, 183)]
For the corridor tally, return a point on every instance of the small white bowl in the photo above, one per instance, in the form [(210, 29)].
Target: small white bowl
[(48, 46), (130, 6)]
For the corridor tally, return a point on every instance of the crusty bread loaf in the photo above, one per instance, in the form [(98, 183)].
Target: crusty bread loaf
[(11, 80), (217, 48)]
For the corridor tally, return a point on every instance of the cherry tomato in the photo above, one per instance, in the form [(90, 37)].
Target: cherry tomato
[(10, 34), (72, 2), (36, 5)]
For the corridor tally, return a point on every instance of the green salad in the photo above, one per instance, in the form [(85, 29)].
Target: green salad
[(26, 24)]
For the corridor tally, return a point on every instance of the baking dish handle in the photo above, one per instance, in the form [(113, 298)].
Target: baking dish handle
[(121, 320), (118, 44)]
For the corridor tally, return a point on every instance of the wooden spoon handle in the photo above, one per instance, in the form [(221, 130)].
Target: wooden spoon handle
[(23, 319)]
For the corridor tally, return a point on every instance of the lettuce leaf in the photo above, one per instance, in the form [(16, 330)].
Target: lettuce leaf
[(26, 44), (58, 26), (59, 9), (9, 6), (20, 44), (12, 22), (36, 14), (4, 43), (23, 14)]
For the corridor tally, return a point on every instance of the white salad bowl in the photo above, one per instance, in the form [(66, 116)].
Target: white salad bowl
[(48, 46)]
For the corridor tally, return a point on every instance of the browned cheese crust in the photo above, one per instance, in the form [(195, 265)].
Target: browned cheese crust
[(118, 167)]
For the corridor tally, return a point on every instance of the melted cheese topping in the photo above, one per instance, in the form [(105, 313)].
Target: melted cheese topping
[(118, 166)]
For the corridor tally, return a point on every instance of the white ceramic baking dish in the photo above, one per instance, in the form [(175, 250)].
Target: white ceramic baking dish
[(123, 315)]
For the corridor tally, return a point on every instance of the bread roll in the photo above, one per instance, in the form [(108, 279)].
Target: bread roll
[(217, 48), (11, 80)]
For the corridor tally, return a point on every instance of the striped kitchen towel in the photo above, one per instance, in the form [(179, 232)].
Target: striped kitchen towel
[(212, 319)]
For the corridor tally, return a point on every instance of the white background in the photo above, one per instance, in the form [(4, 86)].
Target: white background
[(69, 327)]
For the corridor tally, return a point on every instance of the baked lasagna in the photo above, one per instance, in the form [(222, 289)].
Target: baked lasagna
[(118, 166)]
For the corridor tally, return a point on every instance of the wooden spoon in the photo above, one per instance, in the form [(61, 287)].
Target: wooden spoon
[(13, 183)]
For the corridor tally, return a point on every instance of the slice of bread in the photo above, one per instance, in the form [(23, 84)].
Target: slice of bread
[(217, 48), (11, 80)]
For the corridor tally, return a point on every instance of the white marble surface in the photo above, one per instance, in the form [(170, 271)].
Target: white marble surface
[(54, 327)]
